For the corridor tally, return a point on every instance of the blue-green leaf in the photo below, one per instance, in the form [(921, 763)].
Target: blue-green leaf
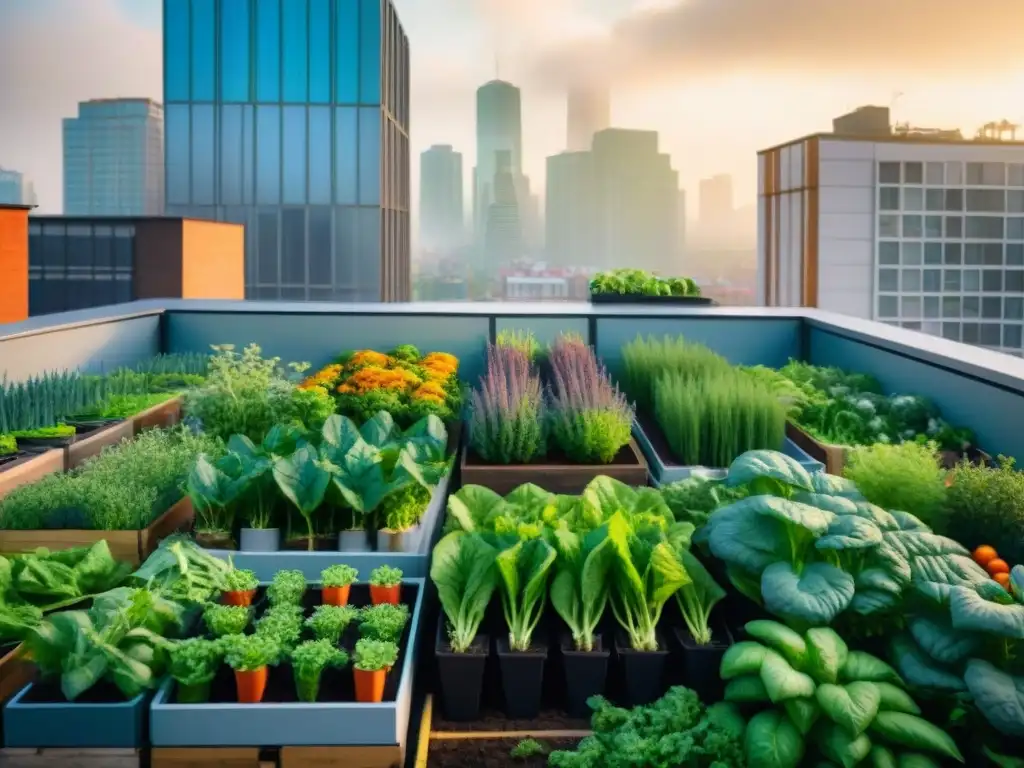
[(970, 611), (916, 733), (850, 532), (936, 636), (747, 540), (998, 696), (814, 596), (754, 465), (834, 485), (895, 699), (837, 505), (920, 671), (826, 653), (863, 666), (772, 741)]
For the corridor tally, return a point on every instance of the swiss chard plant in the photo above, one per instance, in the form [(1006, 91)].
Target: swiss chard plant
[(819, 699), (309, 661), (580, 589), (524, 568), (463, 568)]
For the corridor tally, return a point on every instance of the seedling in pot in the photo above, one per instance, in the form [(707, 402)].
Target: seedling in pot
[(286, 588), (373, 659), (222, 620), (240, 586), (523, 571), (194, 664), (249, 656), (328, 622), (309, 661), (385, 585), (579, 592), (383, 622), (464, 571), (336, 581)]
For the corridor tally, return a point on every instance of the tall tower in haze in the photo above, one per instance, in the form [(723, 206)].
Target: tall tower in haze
[(499, 140), (589, 111), (441, 224)]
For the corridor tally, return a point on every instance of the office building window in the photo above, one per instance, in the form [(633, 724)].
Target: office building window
[(889, 198), (369, 155), (203, 155), (268, 155), (889, 173), (888, 306), (203, 36), (319, 51), (177, 68), (177, 130), (913, 173), (234, 50), (888, 252), (934, 174), (985, 227), (268, 50), (971, 307), (293, 133), (888, 280), (295, 53)]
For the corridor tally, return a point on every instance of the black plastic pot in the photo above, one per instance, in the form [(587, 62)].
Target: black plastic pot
[(522, 678), (702, 662), (40, 444), (586, 673), (461, 675), (643, 671)]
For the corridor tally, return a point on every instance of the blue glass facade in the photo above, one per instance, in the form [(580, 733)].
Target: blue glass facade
[(291, 116)]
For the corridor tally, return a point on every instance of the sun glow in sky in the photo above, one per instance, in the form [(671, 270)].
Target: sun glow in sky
[(719, 79)]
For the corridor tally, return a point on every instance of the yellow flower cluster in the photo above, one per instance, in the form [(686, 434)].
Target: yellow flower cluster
[(373, 377), (325, 377), (439, 366), (430, 391)]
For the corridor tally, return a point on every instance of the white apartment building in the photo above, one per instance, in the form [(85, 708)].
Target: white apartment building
[(922, 233)]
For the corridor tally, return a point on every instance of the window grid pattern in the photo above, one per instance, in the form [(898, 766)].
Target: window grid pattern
[(289, 116), (950, 250)]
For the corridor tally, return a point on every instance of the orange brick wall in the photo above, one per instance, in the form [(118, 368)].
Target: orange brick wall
[(13, 264), (212, 260)]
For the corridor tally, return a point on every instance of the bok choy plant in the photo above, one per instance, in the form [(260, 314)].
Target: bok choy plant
[(523, 570), (463, 569), (579, 592)]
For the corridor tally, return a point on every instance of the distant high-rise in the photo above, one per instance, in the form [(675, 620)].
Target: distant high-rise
[(570, 213), (499, 132), (442, 228), (16, 188), (291, 117), (503, 236), (114, 159), (589, 111)]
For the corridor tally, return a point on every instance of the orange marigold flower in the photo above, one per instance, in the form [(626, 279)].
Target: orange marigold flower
[(373, 377), (441, 359), (430, 399), (429, 390), (368, 357), (346, 389)]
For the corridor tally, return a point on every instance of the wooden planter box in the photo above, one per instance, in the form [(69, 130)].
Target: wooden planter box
[(129, 546), (832, 456), (94, 442), (165, 414), (29, 468), (15, 673), (629, 467)]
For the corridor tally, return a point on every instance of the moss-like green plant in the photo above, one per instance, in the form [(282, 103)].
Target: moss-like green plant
[(8, 445), (247, 653), (908, 477), (287, 587), (222, 620), (328, 622), (240, 580), (338, 576), (309, 661), (383, 622), (371, 655), (385, 576), (527, 748), (194, 663)]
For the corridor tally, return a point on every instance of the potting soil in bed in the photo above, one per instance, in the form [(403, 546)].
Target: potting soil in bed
[(488, 753), (493, 720), (336, 685)]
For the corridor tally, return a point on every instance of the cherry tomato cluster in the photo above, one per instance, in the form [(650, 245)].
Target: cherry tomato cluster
[(997, 568)]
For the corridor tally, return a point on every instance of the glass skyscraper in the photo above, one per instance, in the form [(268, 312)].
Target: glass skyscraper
[(291, 117)]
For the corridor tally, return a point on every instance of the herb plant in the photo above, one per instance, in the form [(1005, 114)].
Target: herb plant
[(309, 661), (224, 620), (338, 576), (383, 622), (385, 576), (329, 622), (194, 664), (286, 588), (987, 505), (507, 423), (371, 655), (8, 445), (248, 653), (638, 282), (240, 580), (524, 341), (527, 748), (906, 476), (283, 624)]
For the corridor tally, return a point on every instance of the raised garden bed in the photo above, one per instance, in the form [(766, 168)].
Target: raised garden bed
[(165, 414), (92, 437), (663, 469), (130, 546), (26, 467), (275, 757), (639, 298), (280, 719), (832, 457), (15, 671), (553, 474)]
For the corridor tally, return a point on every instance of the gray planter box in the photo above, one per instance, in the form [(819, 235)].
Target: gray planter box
[(67, 724), (414, 562), (662, 474), (260, 540), (295, 724), (353, 541)]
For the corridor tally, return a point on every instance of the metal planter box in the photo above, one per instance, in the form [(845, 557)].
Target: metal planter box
[(67, 724), (414, 562), (662, 474), (291, 724)]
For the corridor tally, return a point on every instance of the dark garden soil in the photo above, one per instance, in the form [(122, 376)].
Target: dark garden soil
[(554, 457), (494, 720), (320, 544), (8, 460), (488, 753)]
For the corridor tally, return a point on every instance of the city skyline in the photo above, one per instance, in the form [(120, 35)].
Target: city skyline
[(714, 134)]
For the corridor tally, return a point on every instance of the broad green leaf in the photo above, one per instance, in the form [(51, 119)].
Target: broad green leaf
[(920, 671), (804, 516), (916, 733), (868, 602), (606, 496), (340, 435), (579, 592), (933, 575), (882, 757), (882, 520), (747, 584), (814, 596), (471, 506), (998, 696), (834, 485), (780, 638), (463, 569), (743, 658), (907, 522), (772, 741), (749, 541), (852, 706), (843, 748), (379, 430), (782, 681), (879, 579), (826, 654), (936, 637), (915, 543), (752, 466), (837, 505), (746, 689), (530, 498), (970, 611), (302, 480), (850, 532), (429, 431), (895, 699), (727, 716), (1003, 761), (803, 712), (524, 569), (916, 760)]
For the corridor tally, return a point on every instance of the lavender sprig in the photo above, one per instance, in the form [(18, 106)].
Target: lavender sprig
[(507, 419)]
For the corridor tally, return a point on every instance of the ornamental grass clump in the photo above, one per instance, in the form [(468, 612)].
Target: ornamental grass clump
[(645, 361), (507, 422), (908, 477), (591, 419)]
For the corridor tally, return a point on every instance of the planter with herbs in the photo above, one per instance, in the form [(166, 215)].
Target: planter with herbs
[(696, 412), (560, 438), (129, 496), (637, 286), (373, 491), (19, 467), (295, 668)]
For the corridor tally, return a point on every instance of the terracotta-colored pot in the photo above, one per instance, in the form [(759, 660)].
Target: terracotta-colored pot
[(251, 685), (243, 598), (369, 685), (335, 595), (379, 594)]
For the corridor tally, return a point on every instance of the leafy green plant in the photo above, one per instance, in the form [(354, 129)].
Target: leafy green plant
[(303, 480), (986, 506), (818, 694), (463, 569), (580, 589), (692, 500), (385, 576), (697, 597), (338, 575), (645, 360), (523, 572), (371, 655), (247, 653), (527, 748), (214, 495), (193, 665), (384, 621), (908, 476), (639, 282), (329, 622), (240, 580), (675, 730), (309, 661), (8, 445), (183, 571), (286, 588), (224, 620)]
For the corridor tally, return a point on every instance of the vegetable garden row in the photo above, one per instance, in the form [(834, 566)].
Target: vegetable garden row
[(680, 562)]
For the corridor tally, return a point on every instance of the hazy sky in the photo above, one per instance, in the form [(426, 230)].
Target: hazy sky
[(719, 79)]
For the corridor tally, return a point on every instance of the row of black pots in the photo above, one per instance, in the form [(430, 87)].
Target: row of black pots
[(645, 675)]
